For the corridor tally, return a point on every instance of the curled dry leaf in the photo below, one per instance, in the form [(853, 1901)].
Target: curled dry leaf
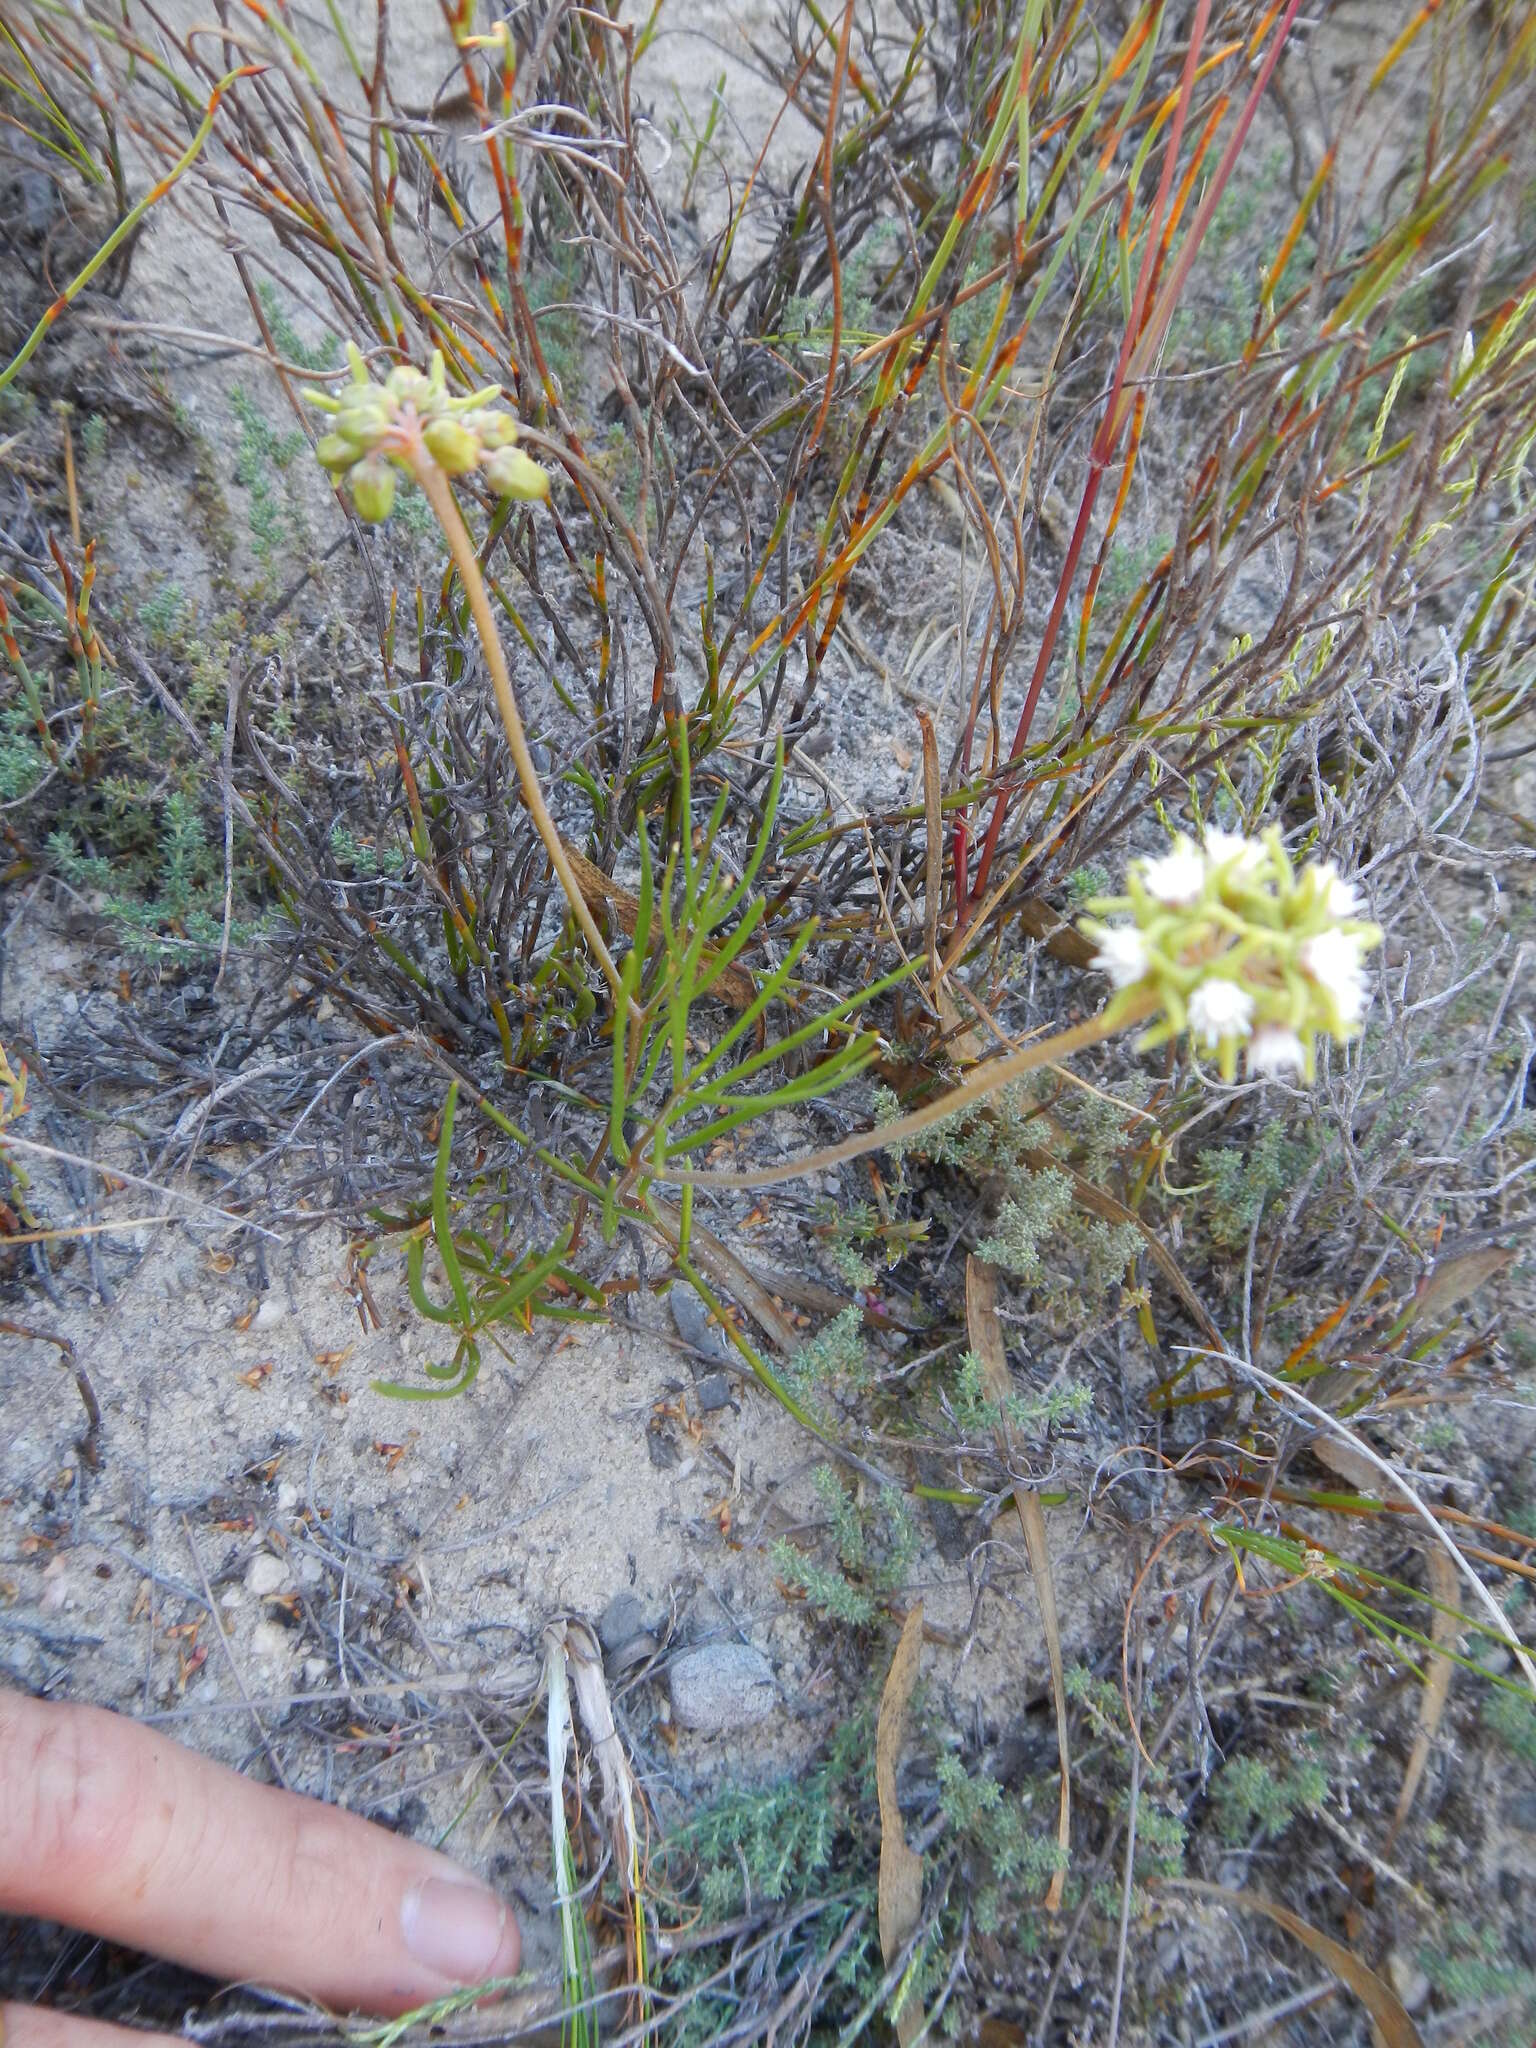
[(1374, 1993), (901, 1869), (1444, 1627)]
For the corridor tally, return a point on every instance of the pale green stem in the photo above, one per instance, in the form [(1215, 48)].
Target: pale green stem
[(986, 1080), (435, 485)]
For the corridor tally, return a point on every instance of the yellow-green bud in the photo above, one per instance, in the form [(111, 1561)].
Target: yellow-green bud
[(362, 417), (491, 429), (336, 451), (372, 483), (451, 444), (512, 474), (405, 385)]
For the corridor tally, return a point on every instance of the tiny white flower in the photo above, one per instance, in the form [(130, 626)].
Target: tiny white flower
[(1334, 963), (1232, 849), (1176, 877), (1342, 898), (1122, 955), (1220, 1009), (1274, 1050)]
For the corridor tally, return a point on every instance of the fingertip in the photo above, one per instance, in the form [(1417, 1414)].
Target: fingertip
[(458, 1930)]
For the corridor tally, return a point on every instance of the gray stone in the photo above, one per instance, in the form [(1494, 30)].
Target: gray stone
[(712, 1392), (721, 1687), (266, 1574), (694, 1325), (1408, 1980), (622, 1619)]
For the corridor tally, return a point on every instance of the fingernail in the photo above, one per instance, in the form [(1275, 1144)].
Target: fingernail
[(460, 1931)]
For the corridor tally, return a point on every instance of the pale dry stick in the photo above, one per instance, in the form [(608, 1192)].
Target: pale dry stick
[(1271, 2015), (431, 1683), (985, 1081), (225, 344), (445, 508), (137, 1180), (1503, 1627), (65, 1232)]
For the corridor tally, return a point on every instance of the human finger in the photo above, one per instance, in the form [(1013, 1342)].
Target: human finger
[(39, 2026), (109, 1827)]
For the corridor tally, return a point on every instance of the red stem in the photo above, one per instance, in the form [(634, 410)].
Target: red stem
[(1108, 435)]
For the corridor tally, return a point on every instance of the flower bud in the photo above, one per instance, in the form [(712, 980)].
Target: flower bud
[(512, 474), (372, 484), (362, 417), (492, 430), (451, 445), (405, 385), (336, 451)]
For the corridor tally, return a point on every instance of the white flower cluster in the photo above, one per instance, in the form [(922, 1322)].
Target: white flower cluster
[(1233, 944)]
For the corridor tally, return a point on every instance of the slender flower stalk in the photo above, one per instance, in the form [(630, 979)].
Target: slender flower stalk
[(1227, 942), (411, 423)]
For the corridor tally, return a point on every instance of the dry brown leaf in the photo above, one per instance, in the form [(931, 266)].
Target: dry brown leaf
[(1347, 1463), (1061, 940), (726, 1270), (986, 1335), (901, 1869), (984, 1329), (1450, 1280), (1437, 1687), (1373, 1992)]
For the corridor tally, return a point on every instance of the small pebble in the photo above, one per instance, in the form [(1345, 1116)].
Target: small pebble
[(271, 1312), (695, 1325), (1408, 1980), (270, 1639), (265, 1574), (287, 1495), (721, 1687), (622, 1619), (713, 1391)]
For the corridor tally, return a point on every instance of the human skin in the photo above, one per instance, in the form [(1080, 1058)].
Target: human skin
[(108, 1827)]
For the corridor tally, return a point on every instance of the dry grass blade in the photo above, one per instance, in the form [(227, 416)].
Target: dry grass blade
[(1450, 1281), (986, 1335), (1378, 1998), (901, 1868), (1437, 1688)]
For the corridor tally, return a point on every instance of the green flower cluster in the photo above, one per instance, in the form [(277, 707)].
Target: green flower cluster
[(374, 427), (1235, 945)]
